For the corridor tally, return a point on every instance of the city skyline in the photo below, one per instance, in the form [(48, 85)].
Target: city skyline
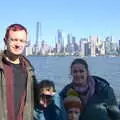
[(79, 18)]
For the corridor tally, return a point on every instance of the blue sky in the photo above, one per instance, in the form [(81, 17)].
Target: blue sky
[(80, 18)]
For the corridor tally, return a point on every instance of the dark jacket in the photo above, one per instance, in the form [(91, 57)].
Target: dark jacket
[(54, 111), (26, 107), (102, 105)]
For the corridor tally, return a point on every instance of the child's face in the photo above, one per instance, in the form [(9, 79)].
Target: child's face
[(46, 96), (73, 114)]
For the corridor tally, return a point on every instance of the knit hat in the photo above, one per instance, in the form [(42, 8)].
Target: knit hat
[(72, 100)]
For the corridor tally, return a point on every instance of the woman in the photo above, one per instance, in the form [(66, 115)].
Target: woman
[(96, 94), (48, 105)]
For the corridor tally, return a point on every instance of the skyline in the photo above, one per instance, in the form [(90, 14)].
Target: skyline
[(79, 18)]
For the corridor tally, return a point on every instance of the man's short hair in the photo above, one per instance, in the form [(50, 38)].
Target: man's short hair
[(14, 27)]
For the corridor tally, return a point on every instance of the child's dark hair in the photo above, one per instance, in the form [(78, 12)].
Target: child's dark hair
[(39, 86), (45, 84), (80, 61)]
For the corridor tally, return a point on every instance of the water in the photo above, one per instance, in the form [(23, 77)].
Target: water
[(58, 69)]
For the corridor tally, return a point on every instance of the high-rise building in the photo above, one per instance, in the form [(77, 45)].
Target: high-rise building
[(75, 45), (108, 45), (59, 42), (102, 50), (93, 41), (119, 47), (69, 44), (59, 36), (68, 39), (38, 37), (84, 47)]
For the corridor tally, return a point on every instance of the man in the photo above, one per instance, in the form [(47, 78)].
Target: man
[(16, 77)]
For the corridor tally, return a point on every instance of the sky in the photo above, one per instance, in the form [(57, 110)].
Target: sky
[(81, 18)]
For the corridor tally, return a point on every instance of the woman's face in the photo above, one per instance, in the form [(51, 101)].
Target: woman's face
[(79, 73)]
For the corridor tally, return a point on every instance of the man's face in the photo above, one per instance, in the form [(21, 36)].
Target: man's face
[(16, 42)]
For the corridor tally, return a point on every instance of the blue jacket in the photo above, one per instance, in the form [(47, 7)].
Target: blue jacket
[(102, 105), (54, 111)]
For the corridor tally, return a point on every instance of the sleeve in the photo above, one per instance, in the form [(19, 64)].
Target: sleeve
[(35, 90), (62, 94), (35, 115), (60, 106), (38, 114), (0, 95), (111, 99), (111, 104)]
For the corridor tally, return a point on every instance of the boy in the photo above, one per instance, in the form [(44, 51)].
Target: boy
[(48, 105), (73, 105)]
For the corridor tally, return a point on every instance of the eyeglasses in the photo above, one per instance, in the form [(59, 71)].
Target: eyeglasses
[(24, 42), (43, 96)]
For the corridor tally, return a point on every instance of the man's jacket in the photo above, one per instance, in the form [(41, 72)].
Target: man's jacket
[(26, 107)]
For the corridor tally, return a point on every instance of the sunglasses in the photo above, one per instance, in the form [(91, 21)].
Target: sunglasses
[(43, 96)]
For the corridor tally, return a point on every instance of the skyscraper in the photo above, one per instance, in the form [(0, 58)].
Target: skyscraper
[(38, 37), (60, 42)]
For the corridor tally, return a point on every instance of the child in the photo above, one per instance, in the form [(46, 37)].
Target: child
[(72, 104), (48, 105)]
